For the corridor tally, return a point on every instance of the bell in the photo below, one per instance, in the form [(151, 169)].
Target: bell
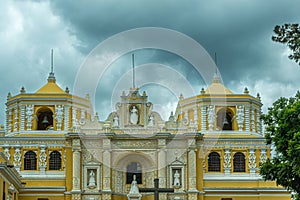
[(45, 120), (225, 122)]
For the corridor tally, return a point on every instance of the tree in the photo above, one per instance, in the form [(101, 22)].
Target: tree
[(289, 34), (283, 131)]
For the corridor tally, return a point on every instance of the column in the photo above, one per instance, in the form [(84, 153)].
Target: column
[(17, 158), (253, 120), (161, 166), (22, 117), (76, 148), (203, 118), (247, 118), (252, 161), (196, 118), (6, 151), (8, 120), (263, 155), (106, 160), (43, 159), (258, 121), (16, 119), (227, 161), (192, 190), (66, 118)]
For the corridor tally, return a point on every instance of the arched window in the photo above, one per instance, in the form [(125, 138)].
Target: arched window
[(239, 162), (55, 161), (30, 161), (134, 168), (214, 164), (45, 119), (224, 119)]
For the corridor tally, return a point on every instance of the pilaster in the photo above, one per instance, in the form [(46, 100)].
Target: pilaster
[(252, 161), (43, 159), (227, 161), (106, 169), (76, 148), (66, 118), (247, 118), (203, 118), (22, 117)]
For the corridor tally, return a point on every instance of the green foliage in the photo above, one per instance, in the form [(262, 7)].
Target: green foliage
[(289, 34), (283, 131)]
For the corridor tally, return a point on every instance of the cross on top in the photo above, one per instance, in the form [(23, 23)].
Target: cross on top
[(157, 190)]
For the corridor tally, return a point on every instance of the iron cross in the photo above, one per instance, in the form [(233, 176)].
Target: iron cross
[(156, 190)]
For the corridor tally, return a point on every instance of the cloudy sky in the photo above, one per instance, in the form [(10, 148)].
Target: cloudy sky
[(238, 30)]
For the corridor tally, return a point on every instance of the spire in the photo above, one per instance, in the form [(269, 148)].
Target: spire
[(133, 72), (51, 77), (216, 78)]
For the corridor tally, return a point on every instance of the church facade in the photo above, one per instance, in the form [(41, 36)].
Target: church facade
[(54, 147)]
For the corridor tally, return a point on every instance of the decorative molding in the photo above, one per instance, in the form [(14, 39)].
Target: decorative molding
[(59, 112), (227, 161), (29, 117), (252, 161), (211, 117)]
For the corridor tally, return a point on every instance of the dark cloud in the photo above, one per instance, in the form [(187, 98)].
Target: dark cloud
[(238, 30)]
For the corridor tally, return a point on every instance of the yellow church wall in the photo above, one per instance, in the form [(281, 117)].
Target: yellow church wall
[(247, 197), (37, 196), (199, 172), (240, 184), (36, 183), (69, 170)]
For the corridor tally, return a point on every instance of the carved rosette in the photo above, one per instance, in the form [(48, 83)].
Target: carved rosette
[(76, 196)]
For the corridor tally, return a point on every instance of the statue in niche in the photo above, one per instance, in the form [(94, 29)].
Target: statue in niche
[(134, 115), (92, 182), (115, 121), (176, 178), (151, 120), (134, 188)]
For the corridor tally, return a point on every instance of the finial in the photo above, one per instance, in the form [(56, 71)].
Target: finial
[(216, 78), (246, 91), (96, 117), (144, 93), (171, 118), (216, 59), (51, 77), (67, 90), (181, 97), (22, 90), (258, 96), (51, 60), (123, 93), (202, 91), (87, 96), (8, 95)]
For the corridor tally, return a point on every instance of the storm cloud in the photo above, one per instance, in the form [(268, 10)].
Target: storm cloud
[(238, 30)]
